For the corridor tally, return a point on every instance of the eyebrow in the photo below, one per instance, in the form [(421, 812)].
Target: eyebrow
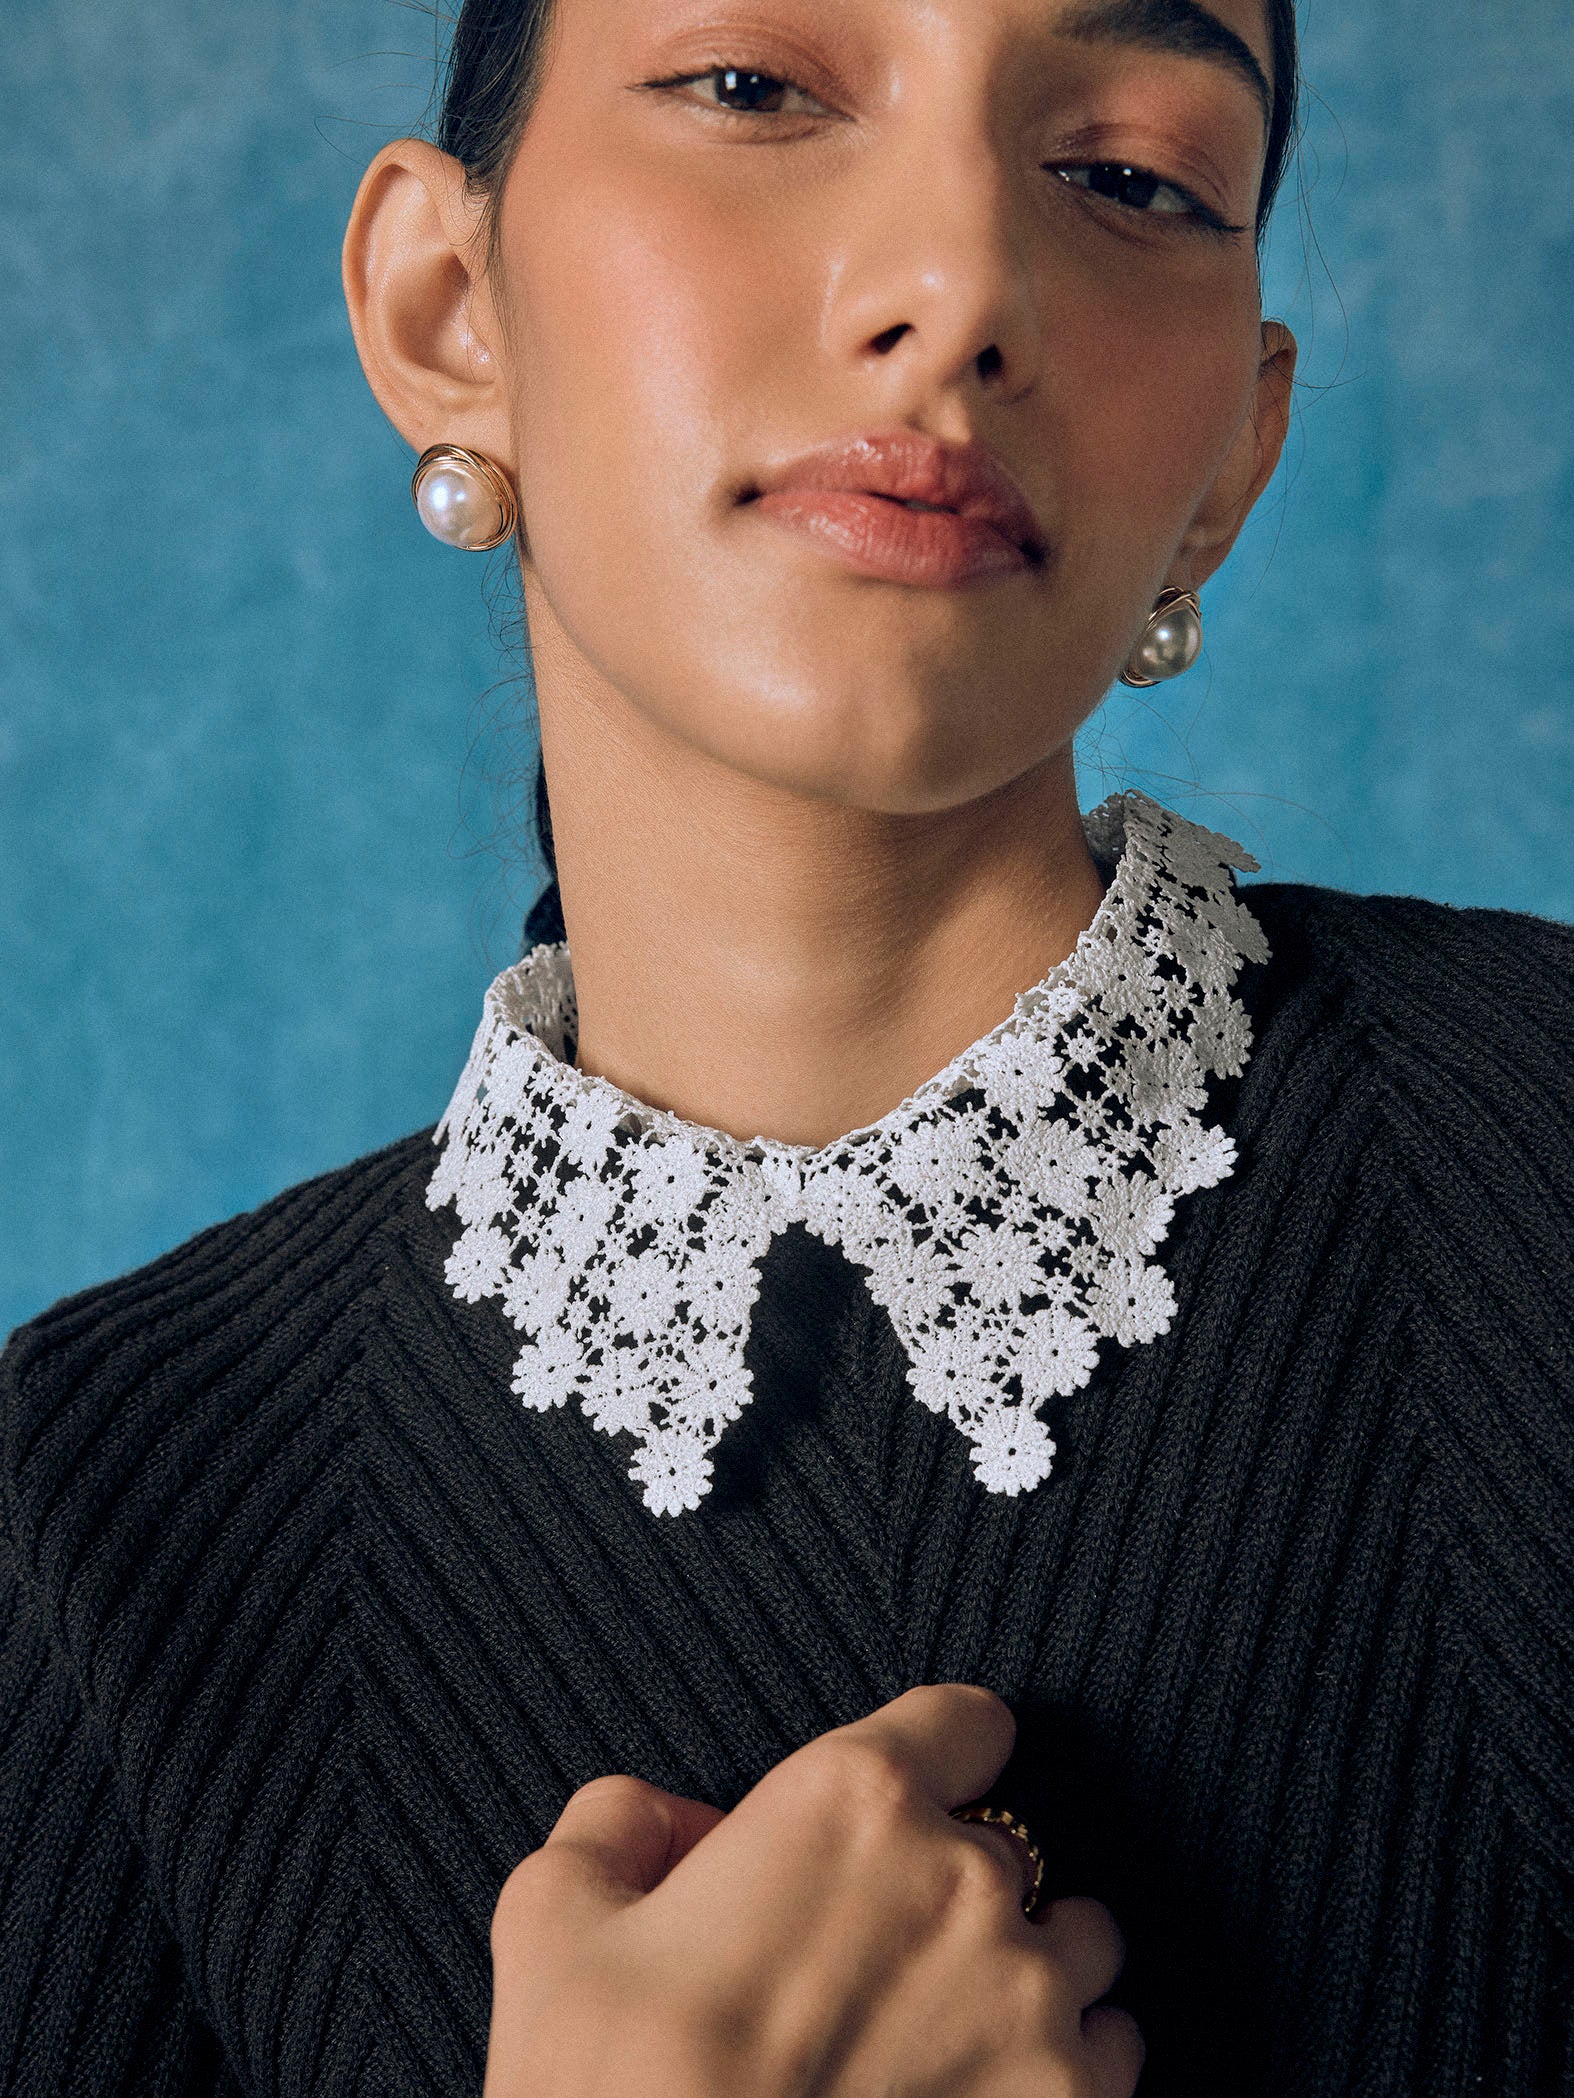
[(1177, 26)]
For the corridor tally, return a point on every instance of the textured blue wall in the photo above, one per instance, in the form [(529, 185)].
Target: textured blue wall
[(253, 791)]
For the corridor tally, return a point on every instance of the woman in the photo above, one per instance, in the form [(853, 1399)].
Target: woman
[(942, 1306)]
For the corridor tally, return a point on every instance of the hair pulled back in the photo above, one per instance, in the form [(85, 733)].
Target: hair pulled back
[(491, 78)]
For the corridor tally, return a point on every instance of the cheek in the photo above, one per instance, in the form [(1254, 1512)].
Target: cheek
[(639, 319), (1148, 381), (662, 351)]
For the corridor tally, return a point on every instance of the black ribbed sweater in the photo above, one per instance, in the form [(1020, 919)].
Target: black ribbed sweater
[(311, 1629)]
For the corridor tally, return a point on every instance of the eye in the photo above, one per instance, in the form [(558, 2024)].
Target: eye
[(743, 92), (1139, 190)]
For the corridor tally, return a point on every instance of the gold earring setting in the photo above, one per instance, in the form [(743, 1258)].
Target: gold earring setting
[(1171, 641), (463, 498)]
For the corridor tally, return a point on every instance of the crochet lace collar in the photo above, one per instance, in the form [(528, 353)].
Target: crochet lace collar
[(1005, 1213)]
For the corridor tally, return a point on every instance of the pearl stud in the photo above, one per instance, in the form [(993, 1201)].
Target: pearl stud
[(1171, 641), (462, 498)]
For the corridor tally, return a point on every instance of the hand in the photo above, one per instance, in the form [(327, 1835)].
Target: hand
[(836, 1935)]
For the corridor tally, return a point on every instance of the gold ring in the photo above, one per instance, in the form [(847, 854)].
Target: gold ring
[(1002, 1817)]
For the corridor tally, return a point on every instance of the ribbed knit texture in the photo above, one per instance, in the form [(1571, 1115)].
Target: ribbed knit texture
[(311, 1629)]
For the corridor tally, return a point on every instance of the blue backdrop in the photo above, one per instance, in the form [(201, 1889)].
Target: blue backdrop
[(255, 833)]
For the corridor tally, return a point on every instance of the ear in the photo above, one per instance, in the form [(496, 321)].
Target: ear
[(1249, 466), (421, 307)]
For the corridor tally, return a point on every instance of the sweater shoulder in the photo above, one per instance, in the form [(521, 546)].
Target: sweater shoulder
[(1446, 1112), (1399, 955), (1448, 1029), (259, 1248), (1466, 1005), (177, 1518), (144, 1398)]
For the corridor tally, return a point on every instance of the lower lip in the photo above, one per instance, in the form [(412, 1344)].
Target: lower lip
[(874, 536)]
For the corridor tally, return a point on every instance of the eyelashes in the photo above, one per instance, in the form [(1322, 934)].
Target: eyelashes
[(1140, 190), (1137, 192), (741, 80)]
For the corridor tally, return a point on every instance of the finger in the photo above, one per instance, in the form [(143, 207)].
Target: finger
[(626, 1835), (692, 1820), (945, 1741), (954, 1739), (1008, 1845), (1086, 1941), (1116, 2049)]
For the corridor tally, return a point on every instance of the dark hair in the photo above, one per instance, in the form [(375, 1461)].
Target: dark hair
[(491, 79)]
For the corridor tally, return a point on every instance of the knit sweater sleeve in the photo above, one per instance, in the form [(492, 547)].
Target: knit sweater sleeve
[(175, 1822), (93, 1998), (1470, 1016), (1477, 1063)]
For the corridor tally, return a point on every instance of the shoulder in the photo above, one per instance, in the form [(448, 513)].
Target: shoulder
[(1464, 1013), (1441, 1118), (1390, 948), (177, 1411), (1412, 1065), (176, 1521), (1426, 1049)]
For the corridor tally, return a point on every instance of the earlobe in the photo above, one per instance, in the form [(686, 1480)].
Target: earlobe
[(419, 303)]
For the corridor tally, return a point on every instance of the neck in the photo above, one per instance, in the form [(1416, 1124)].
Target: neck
[(771, 965)]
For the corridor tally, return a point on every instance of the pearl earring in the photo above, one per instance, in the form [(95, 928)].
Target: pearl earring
[(1171, 641), (462, 498)]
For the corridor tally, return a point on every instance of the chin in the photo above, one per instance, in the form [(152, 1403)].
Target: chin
[(948, 725), (896, 752)]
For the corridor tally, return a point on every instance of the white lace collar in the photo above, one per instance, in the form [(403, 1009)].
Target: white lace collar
[(1004, 1212)]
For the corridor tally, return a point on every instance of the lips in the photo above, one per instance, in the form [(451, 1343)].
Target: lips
[(852, 495)]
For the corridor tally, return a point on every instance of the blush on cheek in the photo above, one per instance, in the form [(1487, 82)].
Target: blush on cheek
[(1168, 418), (1145, 345), (644, 306)]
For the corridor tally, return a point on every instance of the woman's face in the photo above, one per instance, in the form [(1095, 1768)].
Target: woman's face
[(901, 223)]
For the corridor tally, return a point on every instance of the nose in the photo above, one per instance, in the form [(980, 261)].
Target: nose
[(936, 273)]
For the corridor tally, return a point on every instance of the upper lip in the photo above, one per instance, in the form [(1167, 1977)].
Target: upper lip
[(911, 466)]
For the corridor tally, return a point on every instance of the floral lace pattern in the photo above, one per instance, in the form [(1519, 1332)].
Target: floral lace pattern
[(1005, 1213)]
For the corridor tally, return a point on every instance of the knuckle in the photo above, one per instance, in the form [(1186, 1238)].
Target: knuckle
[(959, 1694), (985, 1874), (1036, 1992), (955, 1713), (544, 1878), (985, 1698), (613, 1788), (786, 2042), (981, 1705), (860, 1776)]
